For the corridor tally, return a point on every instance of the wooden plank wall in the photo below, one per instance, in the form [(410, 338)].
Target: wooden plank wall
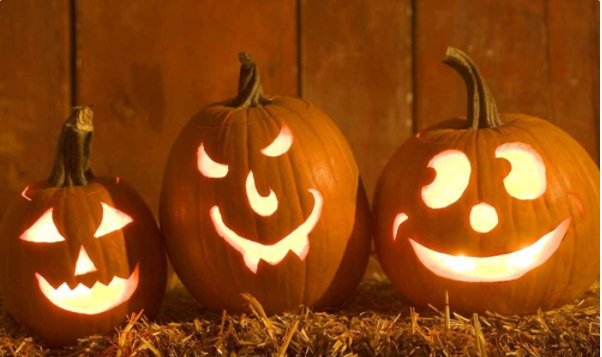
[(373, 66), (35, 85)]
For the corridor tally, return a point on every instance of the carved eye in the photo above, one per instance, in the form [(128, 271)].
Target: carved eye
[(43, 231), (527, 177), (208, 167), (452, 175), (281, 144), (112, 220)]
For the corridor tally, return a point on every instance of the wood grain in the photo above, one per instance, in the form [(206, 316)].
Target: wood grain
[(149, 66), (537, 56), (356, 65), (574, 69), (34, 90)]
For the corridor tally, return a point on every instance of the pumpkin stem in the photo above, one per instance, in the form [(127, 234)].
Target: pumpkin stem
[(72, 161), (250, 92), (482, 110)]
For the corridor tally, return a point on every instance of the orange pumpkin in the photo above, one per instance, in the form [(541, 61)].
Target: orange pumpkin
[(262, 195), (502, 210), (79, 252)]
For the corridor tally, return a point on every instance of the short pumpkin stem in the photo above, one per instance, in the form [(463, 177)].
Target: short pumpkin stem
[(250, 92), (72, 161), (482, 110)]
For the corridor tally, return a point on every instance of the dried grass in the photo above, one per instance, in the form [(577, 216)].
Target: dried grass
[(376, 321)]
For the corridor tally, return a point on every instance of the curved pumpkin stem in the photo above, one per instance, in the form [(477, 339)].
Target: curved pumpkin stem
[(482, 110), (250, 92), (72, 161)]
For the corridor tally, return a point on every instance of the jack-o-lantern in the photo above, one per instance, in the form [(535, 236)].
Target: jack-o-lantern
[(502, 211), (262, 195), (79, 252)]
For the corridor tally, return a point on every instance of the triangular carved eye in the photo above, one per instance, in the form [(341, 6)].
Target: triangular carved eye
[(208, 167), (112, 220), (43, 231)]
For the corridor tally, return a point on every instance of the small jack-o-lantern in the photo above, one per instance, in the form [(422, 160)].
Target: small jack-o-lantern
[(79, 252), (262, 195), (502, 210)]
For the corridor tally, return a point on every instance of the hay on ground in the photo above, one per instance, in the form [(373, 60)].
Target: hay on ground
[(376, 321)]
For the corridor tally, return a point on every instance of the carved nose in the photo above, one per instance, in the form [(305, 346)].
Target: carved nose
[(84, 264), (263, 206), (483, 217)]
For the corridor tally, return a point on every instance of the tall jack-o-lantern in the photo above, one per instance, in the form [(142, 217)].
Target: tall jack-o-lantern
[(262, 195), (501, 210), (79, 252)]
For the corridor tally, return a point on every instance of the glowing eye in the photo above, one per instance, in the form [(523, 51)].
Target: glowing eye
[(112, 220), (281, 144), (527, 177), (208, 167), (452, 175), (43, 231)]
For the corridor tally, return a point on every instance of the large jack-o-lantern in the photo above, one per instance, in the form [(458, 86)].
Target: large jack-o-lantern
[(502, 210), (262, 195), (79, 252)]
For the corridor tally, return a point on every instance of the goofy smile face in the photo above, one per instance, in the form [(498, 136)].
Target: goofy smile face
[(526, 180), (488, 221), (265, 206)]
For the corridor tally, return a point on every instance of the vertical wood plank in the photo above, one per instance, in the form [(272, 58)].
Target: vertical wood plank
[(531, 53), (356, 65), (573, 29), (34, 90), (148, 66)]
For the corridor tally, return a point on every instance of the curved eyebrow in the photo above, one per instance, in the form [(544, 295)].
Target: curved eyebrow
[(281, 144), (208, 167)]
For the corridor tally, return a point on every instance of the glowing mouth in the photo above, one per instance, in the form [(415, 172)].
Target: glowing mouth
[(493, 269), (297, 241), (91, 301)]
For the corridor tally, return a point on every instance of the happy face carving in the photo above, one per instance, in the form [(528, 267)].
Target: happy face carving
[(252, 252), (82, 299), (78, 260), (526, 181), (498, 210), (486, 217)]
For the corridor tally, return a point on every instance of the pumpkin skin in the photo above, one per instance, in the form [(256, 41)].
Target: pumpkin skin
[(123, 249), (571, 195), (319, 159)]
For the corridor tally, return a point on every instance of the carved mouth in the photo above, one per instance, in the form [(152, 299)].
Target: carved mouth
[(297, 241), (492, 269), (91, 301)]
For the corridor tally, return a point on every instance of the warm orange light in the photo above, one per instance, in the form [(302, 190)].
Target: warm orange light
[(281, 144), (43, 230), (452, 175), (399, 219), (263, 206), (91, 301), (24, 193), (497, 268), (483, 218), (84, 264), (527, 177), (112, 220), (208, 167), (297, 241)]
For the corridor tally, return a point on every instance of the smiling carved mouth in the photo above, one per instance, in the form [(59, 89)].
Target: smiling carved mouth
[(91, 301), (492, 269), (297, 241)]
